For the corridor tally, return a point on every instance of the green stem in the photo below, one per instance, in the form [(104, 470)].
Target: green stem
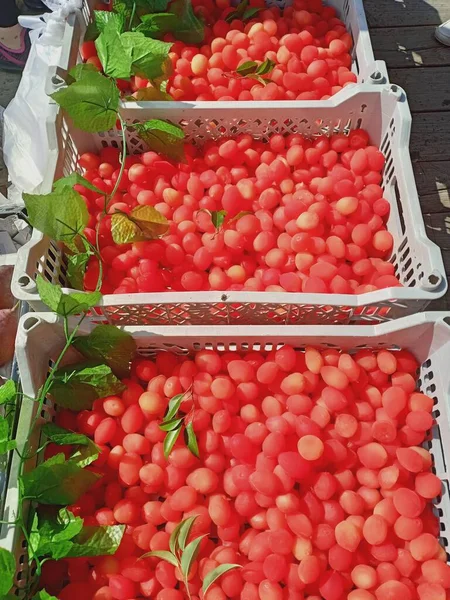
[(133, 12), (122, 162), (109, 198), (186, 585), (48, 383)]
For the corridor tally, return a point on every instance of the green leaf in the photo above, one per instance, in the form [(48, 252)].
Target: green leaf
[(114, 56), (240, 214), (65, 304), (8, 392), (266, 67), (142, 223), (63, 437), (163, 555), (185, 530), (190, 28), (258, 78), (247, 67), (7, 569), (250, 12), (192, 440), (189, 555), (171, 425), (147, 55), (101, 18), (162, 137), (43, 595), (156, 25), (242, 12), (218, 218), (76, 268), (238, 13), (213, 575), (77, 386), (97, 541), (104, 18), (169, 441), (85, 455), (92, 32), (111, 345), (91, 102), (125, 8), (6, 444), (57, 481), (175, 542), (79, 71), (173, 406), (51, 536), (67, 537), (61, 215), (76, 179)]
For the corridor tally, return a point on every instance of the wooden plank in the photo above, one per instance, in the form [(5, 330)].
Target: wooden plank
[(438, 230), (430, 137), (433, 185), (409, 47), (441, 304), (428, 89), (382, 13)]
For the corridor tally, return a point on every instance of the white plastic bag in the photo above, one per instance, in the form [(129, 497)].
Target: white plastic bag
[(26, 149)]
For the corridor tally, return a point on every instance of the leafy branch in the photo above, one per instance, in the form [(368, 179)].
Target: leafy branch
[(58, 481), (242, 12), (182, 555), (251, 70), (62, 214), (173, 424), (219, 218)]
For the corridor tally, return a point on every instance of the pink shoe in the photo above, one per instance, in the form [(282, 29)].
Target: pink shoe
[(14, 60)]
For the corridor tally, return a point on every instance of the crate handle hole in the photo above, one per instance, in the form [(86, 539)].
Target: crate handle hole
[(397, 91), (30, 322), (27, 283), (433, 281), (376, 77)]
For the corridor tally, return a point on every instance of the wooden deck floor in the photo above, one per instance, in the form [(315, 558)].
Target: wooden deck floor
[(402, 33)]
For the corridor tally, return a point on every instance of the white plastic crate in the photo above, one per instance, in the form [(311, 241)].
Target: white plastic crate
[(381, 110), (351, 12), (427, 335)]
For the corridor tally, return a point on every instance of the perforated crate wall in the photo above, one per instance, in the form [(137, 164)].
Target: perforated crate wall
[(426, 335)]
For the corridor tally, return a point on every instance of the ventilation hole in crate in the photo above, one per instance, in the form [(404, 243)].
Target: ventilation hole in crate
[(407, 278), (256, 346), (399, 206), (390, 172), (245, 346), (385, 144), (430, 389), (355, 58), (429, 376)]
